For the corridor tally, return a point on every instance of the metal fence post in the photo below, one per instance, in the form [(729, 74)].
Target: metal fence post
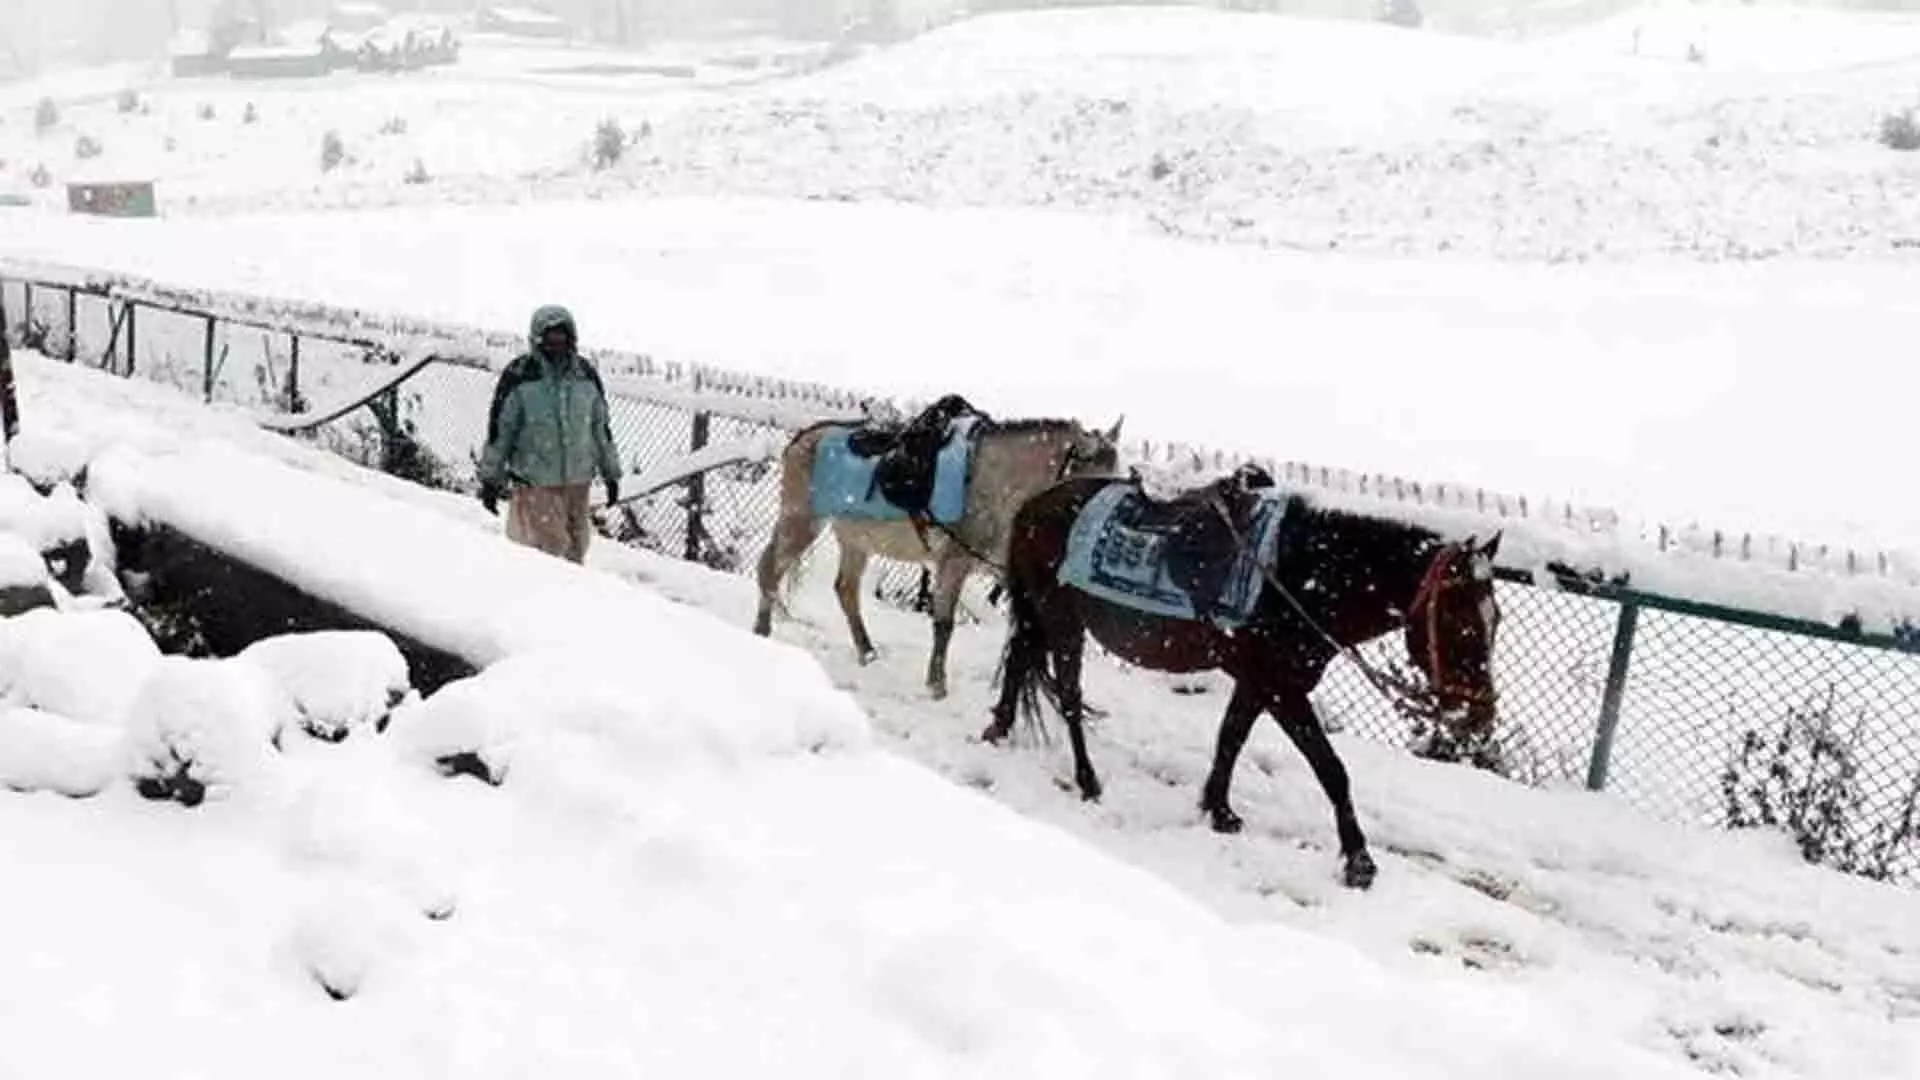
[(132, 352), (206, 362), (1610, 700), (293, 404), (73, 325), (697, 490)]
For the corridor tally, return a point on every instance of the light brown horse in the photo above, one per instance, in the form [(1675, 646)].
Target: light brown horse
[(1012, 460)]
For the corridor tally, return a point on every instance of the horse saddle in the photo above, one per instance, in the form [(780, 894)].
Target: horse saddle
[(1200, 533), (907, 453)]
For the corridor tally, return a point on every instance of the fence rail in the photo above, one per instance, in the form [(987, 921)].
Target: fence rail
[(1689, 706)]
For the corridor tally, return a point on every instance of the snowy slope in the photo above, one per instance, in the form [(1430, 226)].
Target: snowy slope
[(664, 837), (1260, 128)]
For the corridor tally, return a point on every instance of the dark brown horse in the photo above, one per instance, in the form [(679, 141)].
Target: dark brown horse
[(1339, 580)]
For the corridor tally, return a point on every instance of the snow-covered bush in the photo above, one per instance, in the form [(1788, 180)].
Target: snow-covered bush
[(40, 177), (127, 101), (609, 144), (338, 681), (202, 729), (1804, 780), (417, 174), (205, 111), (46, 116), (86, 147), (332, 151), (84, 665), (1900, 131), (251, 115), (394, 125)]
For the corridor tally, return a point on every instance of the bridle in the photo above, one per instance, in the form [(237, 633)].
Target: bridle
[(1426, 599)]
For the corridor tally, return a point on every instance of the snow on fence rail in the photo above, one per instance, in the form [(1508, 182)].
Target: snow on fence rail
[(1705, 676)]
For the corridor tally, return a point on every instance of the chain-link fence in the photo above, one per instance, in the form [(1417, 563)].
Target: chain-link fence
[(1701, 714)]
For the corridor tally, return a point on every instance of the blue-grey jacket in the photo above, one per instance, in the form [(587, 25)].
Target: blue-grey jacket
[(549, 423)]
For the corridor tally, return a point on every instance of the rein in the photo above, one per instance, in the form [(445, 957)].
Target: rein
[(1403, 696)]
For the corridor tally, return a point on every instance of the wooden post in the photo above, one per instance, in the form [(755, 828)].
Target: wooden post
[(133, 353), (73, 325)]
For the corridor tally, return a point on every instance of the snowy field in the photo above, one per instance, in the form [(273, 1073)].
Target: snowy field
[(670, 842), (1273, 130)]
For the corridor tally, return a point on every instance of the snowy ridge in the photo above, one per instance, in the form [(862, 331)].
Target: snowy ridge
[(1832, 586)]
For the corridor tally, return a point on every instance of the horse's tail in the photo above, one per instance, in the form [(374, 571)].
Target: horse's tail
[(1025, 672)]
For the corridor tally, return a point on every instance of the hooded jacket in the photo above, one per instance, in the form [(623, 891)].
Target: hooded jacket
[(549, 424)]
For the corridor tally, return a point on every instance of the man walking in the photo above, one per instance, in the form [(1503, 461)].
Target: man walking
[(548, 434)]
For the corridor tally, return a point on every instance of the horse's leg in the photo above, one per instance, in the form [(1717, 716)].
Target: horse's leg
[(792, 536), (846, 586), (1295, 713), (1243, 708), (1069, 650), (950, 576)]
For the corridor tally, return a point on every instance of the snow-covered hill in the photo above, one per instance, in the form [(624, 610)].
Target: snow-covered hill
[(689, 871), (1318, 136)]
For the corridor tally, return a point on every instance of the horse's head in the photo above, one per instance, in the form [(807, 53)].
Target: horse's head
[(1450, 632), (1093, 452)]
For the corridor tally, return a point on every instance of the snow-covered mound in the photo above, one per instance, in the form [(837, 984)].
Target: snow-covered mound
[(338, 682), (54, 660)]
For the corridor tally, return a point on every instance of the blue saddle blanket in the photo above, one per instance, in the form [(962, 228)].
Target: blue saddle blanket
[(843, 485), (1119, 554)]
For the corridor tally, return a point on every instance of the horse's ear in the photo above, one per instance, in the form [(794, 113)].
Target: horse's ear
[(1493, 546), (1113, 433)]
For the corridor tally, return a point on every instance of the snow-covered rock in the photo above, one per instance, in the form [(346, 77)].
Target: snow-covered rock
[(87, 665), (23, 577), (203, 729), (340, 681)]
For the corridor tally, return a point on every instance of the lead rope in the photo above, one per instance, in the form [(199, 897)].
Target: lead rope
[(1401, 695)]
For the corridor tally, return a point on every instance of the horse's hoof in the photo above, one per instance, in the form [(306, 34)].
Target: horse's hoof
[(1360, 870), (1224, 820), (867, 656), (938, 692), (995, 732), (1089, 786)]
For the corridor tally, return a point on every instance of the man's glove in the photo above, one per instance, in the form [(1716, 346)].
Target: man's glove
[(613, 491), (490, 496)]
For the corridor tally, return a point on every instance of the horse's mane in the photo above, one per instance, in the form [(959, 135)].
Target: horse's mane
[(1029, 425)]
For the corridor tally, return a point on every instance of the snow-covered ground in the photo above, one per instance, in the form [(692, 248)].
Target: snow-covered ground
[(674, 845)]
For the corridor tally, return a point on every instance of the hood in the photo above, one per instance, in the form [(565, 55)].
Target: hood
[(548, 316)]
